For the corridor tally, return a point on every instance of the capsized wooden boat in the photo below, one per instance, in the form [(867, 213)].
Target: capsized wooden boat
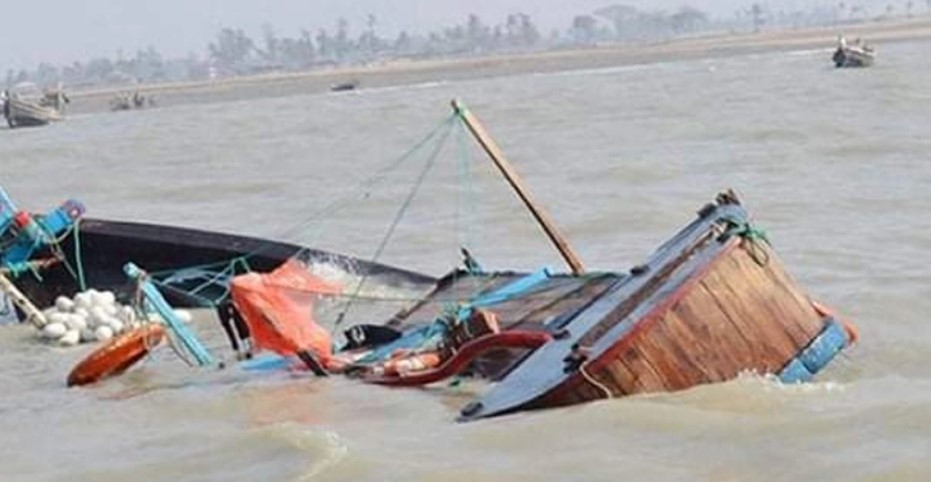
[(712, 302)]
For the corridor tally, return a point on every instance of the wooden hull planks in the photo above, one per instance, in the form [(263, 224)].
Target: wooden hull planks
[(713, 302), (20, 113)]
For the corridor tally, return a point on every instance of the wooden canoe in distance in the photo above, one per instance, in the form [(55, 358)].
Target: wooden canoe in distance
[(853, 56), (21, 113), (711, 302)]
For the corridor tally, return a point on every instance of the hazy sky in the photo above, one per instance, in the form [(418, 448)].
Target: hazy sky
[(61, 31)]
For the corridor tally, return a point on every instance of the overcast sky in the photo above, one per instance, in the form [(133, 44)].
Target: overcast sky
[(62, 31)]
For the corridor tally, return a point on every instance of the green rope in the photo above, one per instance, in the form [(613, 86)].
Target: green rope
[(202, 267), (15, 270), (415, 188), (330, 208), (212, 280), (466, 188), (366, 185), (754, 236), (77, 255)]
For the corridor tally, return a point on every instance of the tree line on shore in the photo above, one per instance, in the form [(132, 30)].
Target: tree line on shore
[(233, 52)]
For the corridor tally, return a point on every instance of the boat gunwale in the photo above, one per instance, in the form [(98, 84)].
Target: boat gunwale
[(693, 234)]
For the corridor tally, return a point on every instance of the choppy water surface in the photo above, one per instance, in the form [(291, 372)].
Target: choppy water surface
[(834, 164)]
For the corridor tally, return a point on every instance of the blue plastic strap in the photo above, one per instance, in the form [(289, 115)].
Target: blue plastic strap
[(267, 363), (513, 289), (155, 299)]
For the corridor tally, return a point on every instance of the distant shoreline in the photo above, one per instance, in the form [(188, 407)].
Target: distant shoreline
[(403, 72)]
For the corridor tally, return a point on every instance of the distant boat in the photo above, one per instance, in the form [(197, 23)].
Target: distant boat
[(130, 101), (21, 113), (857, 55), (24, 107), (350, 85)]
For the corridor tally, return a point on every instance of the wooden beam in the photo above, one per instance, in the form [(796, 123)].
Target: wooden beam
[(497, 156), (33, 315)]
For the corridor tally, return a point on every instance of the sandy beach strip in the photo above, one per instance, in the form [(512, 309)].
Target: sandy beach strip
[(405, 72)]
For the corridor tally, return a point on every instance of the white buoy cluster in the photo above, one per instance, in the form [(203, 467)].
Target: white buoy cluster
[(88, 317)]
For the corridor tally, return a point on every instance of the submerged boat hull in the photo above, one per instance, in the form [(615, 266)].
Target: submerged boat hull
[(711, 303), (105, 246)]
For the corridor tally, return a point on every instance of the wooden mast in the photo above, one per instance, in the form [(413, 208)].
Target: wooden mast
[(497, 156)]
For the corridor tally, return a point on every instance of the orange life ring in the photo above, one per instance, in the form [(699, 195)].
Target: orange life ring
[(852, 332), (117, 355)]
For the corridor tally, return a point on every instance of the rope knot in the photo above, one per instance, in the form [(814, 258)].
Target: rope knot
[(751, 235)]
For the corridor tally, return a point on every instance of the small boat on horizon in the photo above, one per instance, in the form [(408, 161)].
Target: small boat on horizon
[(345, 86), (857, 55), (131, 100), (24, 106)]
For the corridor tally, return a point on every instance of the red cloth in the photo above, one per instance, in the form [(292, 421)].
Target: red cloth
[(278, 308)]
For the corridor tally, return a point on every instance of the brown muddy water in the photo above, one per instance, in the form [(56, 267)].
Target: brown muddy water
[(833, 164)]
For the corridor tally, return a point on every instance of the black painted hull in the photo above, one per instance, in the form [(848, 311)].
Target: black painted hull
[(852, 57), (108, 245)]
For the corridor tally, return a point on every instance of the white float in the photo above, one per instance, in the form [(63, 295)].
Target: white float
[(91, 316)]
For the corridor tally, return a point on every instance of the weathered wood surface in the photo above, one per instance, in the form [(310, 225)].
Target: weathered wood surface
[(740, 315)]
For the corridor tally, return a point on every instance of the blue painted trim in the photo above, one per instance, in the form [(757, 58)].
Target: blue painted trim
[(819, 352), (512, 289), (155, 299), (824, 347), (795, 372)]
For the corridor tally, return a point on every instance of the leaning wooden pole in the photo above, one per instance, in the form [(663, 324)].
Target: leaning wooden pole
[(497, 156), (33, 315)]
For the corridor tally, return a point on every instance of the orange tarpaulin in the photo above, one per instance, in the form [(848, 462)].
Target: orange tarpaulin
[(278, 308)]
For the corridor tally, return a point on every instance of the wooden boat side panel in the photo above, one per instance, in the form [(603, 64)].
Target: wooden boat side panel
[(782, 300), (671, 356), (653, 363), (807, 319), (739, 315), (708, 304)]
